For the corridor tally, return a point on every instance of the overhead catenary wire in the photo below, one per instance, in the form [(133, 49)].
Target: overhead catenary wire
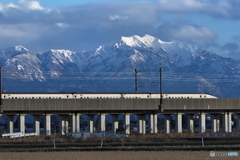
[(146, 79), (126, 78)]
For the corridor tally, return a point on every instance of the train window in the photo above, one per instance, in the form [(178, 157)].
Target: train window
[(67, 96), (136, 97), (49, 97), (87, 97), (81, 97), (75, 96), (15, 97), (39, 97), (32, 97), (200, 96)]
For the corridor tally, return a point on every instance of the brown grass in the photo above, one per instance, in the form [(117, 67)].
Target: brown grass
[(118, 155), (132, 137)]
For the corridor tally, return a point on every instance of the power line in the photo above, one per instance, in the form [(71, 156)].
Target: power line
[(142, 76)]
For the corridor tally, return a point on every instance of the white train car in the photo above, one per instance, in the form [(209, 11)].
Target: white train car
[(100, 95)]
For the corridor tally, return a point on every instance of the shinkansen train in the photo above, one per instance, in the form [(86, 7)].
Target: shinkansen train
[(99, 95)]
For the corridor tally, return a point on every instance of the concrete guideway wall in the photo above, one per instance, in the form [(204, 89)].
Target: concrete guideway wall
[(121, 105), (219, 104), (31, 105)]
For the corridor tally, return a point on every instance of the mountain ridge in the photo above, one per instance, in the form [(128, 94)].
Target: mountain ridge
[(186, 69)]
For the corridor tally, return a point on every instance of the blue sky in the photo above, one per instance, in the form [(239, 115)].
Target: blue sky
[(82, 25)]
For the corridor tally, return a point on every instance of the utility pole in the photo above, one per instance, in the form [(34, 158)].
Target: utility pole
[(136, 80), (0, 89), (160, 87)]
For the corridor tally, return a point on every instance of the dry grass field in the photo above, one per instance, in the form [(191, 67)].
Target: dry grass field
[(110, 155)]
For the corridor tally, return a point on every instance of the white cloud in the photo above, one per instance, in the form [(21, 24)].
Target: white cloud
[(183, 5), (32, 5), (62, 25), (22, 5), (118, 17), (193, 33), (11, 5), (93, 24), (187, 33), (216, 8), (7, 6), (1, 7), (19, 32)]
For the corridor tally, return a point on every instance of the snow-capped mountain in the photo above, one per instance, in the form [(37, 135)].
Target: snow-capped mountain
[(186, 69)]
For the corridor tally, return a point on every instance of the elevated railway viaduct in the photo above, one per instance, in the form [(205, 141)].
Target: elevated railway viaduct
[(217, 107)]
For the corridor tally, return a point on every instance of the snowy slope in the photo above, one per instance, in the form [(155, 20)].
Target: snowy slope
[(186, 68)]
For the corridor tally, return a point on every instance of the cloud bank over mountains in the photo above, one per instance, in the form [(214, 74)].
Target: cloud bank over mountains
[(86, 26)]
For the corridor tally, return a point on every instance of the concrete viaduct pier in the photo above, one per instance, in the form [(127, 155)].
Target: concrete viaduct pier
[(146, 111)]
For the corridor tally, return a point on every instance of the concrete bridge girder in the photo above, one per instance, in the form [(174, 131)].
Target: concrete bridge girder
[(142, 107)]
